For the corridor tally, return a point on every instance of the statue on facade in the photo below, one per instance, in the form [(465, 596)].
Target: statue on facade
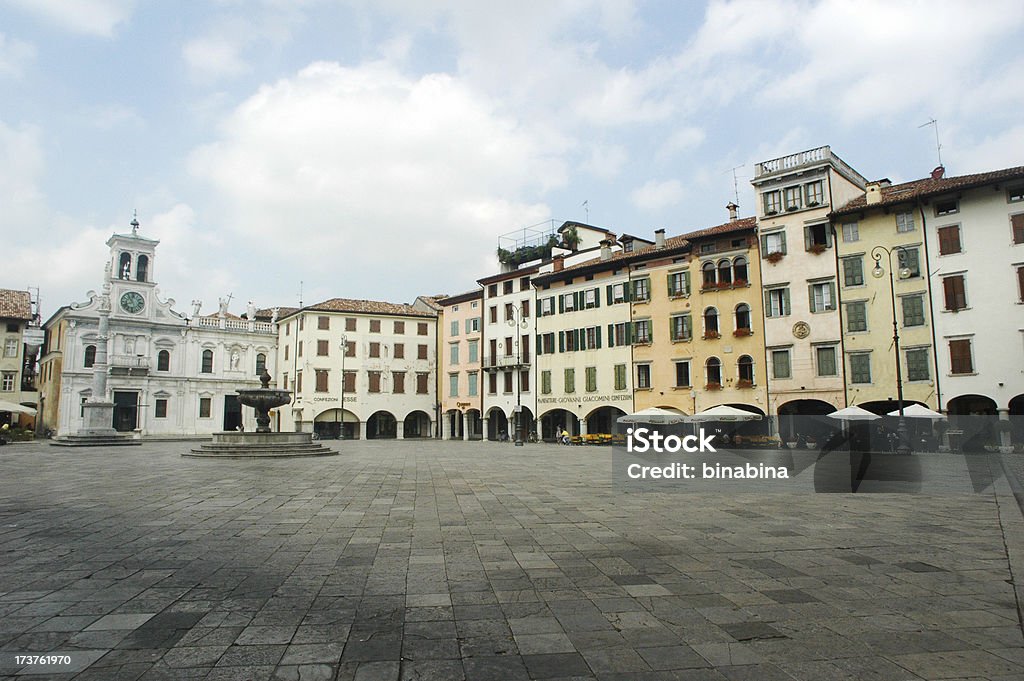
[(250, 311), (196, 304), (273, 318), (223, 305), (235, 357)]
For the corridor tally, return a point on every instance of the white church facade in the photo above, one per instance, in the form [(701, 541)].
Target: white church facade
[(169, 374)]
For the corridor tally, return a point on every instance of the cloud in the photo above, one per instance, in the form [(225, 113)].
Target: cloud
[(89, 17), (656, 195), (355, 171), (211, 57), (15, 55), (222, 48)]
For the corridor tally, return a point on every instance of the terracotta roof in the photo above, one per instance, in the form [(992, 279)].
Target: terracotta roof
[(738, 225), (919, 189), (267, 313), (512, 274), (15, 304), (216, 315), (475, 294), (675, 243), (433, 302), (367, 307)]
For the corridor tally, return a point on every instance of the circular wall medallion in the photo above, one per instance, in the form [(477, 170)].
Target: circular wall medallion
[(801, 330), (133, 302)]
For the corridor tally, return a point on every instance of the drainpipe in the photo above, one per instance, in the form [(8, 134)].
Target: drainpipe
[(931, 307)]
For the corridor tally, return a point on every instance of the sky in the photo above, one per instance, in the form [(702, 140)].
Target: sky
[(302, 149)]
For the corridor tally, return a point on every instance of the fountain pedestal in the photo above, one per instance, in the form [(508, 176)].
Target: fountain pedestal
[(263, 442)]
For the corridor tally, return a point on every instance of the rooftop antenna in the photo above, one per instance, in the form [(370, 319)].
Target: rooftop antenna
[(586, 210), (938, 146), (300, 294), (135, 222), (735, 183)]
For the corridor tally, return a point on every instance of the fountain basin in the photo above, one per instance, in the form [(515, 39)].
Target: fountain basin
[(236, 445)]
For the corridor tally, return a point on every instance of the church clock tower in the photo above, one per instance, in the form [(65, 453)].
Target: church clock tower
[(132, 260)]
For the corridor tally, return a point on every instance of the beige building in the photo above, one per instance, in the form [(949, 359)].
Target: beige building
[(21, 341), (802, 331), (359, 369), (460, 350), (708, 343)]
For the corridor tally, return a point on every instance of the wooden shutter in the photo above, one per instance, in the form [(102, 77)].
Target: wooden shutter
[(953, 290), (1018, 228), (960, 356), (561, 304), (597, 332), (785, 301), (808, 239), (782, 242), (764, 245), (1020, 282), (608, 294), (767, 303), (561, 341), (810, 298)]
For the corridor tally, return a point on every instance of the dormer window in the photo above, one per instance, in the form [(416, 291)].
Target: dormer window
[(947, 207)]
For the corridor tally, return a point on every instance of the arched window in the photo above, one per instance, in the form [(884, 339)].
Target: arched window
[(261, 363), (739, 270), (163, 361), (711, 323), (745, 364), (207, 362), (743, 318), (724, 272), (708, 270), (124, 267), (713, 371), (142, 268), (90, 356)]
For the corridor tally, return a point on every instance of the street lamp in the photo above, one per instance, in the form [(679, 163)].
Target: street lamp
[(516, 321), (903, 446), (344, 351)]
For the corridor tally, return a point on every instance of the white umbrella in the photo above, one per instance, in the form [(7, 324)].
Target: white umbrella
[(916, 411), (654, 415), (16, 408), (853, 414), (724, 412)]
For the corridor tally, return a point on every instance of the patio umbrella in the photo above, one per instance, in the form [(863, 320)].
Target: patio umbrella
[(724, 413), (16, 408), (916, 411), (853, 413), (654, 415)]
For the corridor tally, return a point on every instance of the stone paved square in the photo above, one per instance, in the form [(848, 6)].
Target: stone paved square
[(476, 560)]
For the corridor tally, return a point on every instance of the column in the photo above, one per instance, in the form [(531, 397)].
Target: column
[(446, 426), (583, 426), (361, 435), (466, 426), (540, 433), (484, 432), (1003, 427), (400, 430)]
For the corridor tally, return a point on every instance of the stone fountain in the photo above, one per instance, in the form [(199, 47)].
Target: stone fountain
[(263, 442)]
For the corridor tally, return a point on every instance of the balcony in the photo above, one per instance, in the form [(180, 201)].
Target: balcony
[(503, 361), (133, 365)]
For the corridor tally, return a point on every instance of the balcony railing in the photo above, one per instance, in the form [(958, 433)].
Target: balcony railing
[(503, 361), (131, 362)]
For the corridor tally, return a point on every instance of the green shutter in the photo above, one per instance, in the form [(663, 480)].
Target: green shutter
[(832, 296), (561, 341), (540, 346), (597, 332), (561, 305), (669, 279), (767, 303), (581, 338), (785, 301), (810, 298), (611, 335), (782, 242), (686, 282), (764, 245), (627, 291), (808, 241), (608, 294), (597, 297)]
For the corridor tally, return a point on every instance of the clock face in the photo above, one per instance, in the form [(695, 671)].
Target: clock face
[(132, 302)]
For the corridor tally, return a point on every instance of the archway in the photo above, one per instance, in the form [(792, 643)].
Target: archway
[(416, 424), (973, 422), (749, 428), (525, 422), (552, 422), (805, 418), (473, 424), (452, 424), (334, 424), (381, 426), (497, 424), (1016, 409), (602, 420)]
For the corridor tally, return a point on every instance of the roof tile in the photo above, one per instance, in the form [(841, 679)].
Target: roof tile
[(15, 304)]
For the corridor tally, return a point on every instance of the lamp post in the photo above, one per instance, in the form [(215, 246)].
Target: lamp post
[(516, 321), (903, 446), (344, 351)]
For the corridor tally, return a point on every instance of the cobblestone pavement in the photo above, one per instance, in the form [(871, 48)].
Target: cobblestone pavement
[(403, 560)]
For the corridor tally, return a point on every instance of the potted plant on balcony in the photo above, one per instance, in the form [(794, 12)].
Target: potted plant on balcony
[(713, 386), (741, 332), (771, 212), (743, 384), (740, 283), (817, 249), (724, 284), (812, 204), (774, 257), (711, 335)]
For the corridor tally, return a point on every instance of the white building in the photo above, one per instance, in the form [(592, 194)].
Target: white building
[(389, 365), (802, 328), (169, 375)]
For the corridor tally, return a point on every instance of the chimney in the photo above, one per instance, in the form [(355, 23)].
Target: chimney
[(659, 238), (732, 211), (557, 263), (938, 173), (606, 249), (873, 193)]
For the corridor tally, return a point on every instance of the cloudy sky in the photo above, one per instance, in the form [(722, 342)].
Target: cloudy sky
[(378, 148)]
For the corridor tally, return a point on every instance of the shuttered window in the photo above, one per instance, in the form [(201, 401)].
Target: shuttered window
[(960, 360), (853, 271), (913, 310), (856, 316), (620, 376), (949, 240), (918, 365), (954, 292), (1017, 221)]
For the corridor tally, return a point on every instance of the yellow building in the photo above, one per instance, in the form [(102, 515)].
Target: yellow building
[(706, 345), (866, 228)]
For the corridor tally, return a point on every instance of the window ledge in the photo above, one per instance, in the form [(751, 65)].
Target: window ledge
[(676, 296), (681, 340), (956, 311), (952, 375), (644, 389), (682, 387)]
